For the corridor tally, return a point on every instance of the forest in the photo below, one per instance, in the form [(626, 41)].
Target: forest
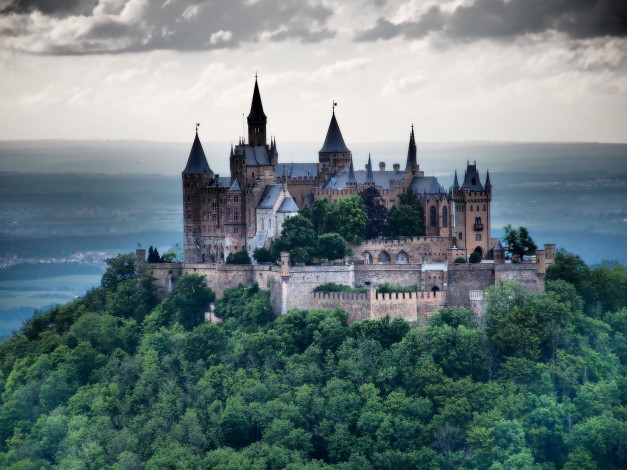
[(118, 379)]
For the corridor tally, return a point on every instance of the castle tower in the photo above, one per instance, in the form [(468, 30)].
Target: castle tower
[(257, 120), (334, 155), (472, 211), (196, 177)]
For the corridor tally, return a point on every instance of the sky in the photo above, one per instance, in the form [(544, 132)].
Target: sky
[(459, 70)]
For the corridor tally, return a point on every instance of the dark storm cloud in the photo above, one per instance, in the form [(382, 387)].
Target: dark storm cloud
[(52, 7), (136, 25), (512, 18)]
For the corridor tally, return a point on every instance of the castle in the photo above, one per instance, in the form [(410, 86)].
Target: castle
[(246, 210)]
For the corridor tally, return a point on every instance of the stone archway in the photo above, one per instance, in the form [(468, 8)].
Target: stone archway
[(480, 251), (384, 258), (366, 257), (402, 258), (435, 289)]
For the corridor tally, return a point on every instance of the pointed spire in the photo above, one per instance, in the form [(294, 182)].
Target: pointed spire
[(412, 160), (275, 152), (232, 155), (334, 142), (487, 180), (351, 173), (455, 182), (369, 174), (256, 107), (197, 162)]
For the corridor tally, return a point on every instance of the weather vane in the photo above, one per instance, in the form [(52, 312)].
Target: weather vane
[(334, 105), (197, 126)]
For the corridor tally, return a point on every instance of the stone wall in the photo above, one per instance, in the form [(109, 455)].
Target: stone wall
[(411, 306), (463, 278), (405, 250), (303, 279), (356, 305), (525, 273)]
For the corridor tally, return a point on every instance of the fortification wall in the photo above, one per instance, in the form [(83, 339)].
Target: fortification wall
[(463, 278), (376, 274), (356, 305), (524, 273), (303, 279), (404, 250)]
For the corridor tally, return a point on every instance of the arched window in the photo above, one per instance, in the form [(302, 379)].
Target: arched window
[(444, 217), (402, 258), (433, 218), (384, 258)]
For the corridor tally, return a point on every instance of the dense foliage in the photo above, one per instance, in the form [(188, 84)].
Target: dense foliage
[(117, 380), (519, 242), (238, 257)]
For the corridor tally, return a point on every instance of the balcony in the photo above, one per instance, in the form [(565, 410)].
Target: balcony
[(478, 227)]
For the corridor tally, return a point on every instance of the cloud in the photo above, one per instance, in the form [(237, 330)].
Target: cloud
[(116, 26), (502, 19)]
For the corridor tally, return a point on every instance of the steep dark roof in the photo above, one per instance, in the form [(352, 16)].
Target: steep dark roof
[(334, 142), (197, 162), (487, 181), (499, 246), (381, 179), (270, 194), (456, 183), (426, 184), (472, 180), (256, 108), (288, 205), (255, 155), (295, 170)]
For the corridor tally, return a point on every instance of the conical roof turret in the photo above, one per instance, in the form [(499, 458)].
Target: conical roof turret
[(197, 162), (487, 181), (334, 142), (369, 174), (351, 173), (455, 182), (256, 107)]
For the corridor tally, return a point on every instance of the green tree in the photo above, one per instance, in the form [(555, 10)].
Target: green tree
[(348, 218), (319, 210), (186, 304), (297, 232), (120, 268), (239, 257), (262, 255), (376, 211), (519, 241), (404, 221), (331, 246)]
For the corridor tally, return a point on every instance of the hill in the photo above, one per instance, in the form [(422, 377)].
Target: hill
[(119, 380)]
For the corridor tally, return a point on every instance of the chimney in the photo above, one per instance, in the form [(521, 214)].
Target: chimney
[(381, 166), (397, 167)]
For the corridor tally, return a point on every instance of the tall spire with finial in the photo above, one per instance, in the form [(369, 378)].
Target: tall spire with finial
[(369, 174), (412, 154), (351, 173), (455, 182), (257, 119), (487, 180)]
